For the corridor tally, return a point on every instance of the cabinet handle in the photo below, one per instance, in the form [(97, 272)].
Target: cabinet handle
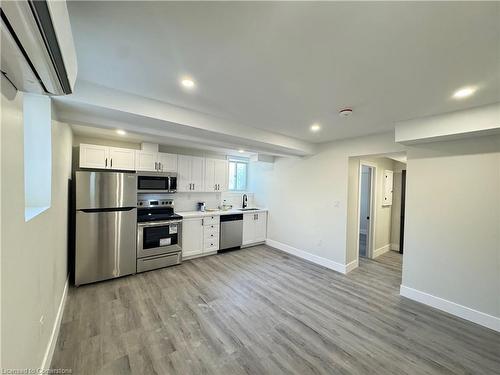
[(106, 163), (156, 166), (111, 163), (193, 186), (159, 166)]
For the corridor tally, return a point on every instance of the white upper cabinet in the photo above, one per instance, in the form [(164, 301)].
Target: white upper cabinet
[(93, 156), (216, 175), (121, 158), (167, 162), (155, 161), (146, 161), (254, 228), (190, 173), (103, 157)]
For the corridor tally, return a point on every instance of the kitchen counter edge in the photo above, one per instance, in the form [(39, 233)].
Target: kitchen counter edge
[(195, 214)]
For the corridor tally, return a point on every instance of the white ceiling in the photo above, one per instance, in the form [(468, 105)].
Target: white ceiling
[(282, 66)]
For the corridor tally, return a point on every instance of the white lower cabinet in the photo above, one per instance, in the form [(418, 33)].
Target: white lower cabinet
[(254, 228), (192, 237), (211, 236), (200, 236)]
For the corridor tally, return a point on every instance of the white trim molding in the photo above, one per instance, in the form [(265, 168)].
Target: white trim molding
[(351, 265), (381, 250), (49, 352), (452, 308), (339, 267)]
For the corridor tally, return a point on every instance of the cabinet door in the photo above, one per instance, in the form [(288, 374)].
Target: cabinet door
[(248, 229), (192, 237), (146, 161), (122, 158), (260, 227), (221, 174), (197, 173), (210, 184), (184, 173), (94, 156), (168, 162)]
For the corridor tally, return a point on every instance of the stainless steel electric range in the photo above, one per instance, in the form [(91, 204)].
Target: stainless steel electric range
[(159, 233)]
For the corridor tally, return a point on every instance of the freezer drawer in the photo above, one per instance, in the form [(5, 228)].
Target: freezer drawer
[(105, 244), (105, 190)]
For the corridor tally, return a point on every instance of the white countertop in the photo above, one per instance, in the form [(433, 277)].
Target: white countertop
[(191, 214)]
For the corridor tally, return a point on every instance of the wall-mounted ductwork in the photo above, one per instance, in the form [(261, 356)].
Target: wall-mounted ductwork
[(38, 54)]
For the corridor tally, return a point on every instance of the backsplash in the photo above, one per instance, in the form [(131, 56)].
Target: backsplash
[(236, 199), (189, 201)]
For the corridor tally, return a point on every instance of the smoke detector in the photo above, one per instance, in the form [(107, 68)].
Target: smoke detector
[(345, 112)]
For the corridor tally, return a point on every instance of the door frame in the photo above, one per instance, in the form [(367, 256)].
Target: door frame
[(371, 225), (402, 212)]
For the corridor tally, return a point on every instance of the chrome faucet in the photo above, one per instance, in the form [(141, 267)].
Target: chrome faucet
[(245, 199)]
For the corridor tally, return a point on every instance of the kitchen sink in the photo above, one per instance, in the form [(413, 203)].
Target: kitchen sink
[(248, 209)]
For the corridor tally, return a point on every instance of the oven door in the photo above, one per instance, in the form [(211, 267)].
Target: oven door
[(160, 237), (148, 184)]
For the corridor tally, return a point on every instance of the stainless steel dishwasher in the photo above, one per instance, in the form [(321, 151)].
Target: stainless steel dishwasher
[(231, 231)]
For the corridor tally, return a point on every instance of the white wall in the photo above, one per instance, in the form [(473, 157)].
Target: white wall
[(307, 197), (452, 227), (34, 253)]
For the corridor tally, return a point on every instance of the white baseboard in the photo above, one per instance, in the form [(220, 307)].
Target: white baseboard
[(395, 246), (352, 265), (49, 352), (339, 267), (381, 250), (452, 308)]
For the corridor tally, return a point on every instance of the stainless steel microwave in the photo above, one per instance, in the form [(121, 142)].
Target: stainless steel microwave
[(154, 182)]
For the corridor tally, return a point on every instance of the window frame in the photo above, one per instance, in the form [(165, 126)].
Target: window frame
[(235, 176)]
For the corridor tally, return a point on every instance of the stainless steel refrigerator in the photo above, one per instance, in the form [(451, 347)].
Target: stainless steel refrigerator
[(106, 225)]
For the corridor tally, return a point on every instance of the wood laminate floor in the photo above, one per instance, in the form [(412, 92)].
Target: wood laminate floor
[(261, 311)]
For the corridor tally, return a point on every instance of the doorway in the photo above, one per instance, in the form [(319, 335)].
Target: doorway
[(367, 175)]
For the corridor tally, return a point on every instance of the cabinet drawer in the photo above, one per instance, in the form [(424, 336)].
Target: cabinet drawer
[(212, 228), (148, 264), (211, 236), (211, 245), (211, 220)]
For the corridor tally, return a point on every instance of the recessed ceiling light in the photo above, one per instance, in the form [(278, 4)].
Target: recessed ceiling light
[(121, 132), (187, 82), (241, 151), (315, 127), (464, 92)]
